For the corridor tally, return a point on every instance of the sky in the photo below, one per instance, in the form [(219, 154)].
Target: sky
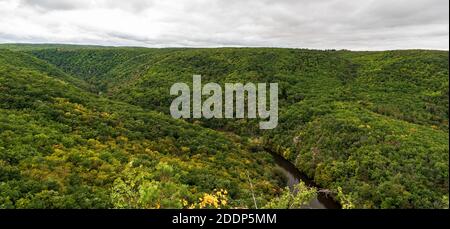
[(313, 24)]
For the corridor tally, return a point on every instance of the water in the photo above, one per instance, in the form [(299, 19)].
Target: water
[(294, 176)]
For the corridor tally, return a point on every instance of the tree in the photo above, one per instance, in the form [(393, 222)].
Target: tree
[(299, 197)]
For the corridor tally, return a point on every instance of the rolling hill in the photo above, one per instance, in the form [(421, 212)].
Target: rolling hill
[(64, 147), (90, 126)]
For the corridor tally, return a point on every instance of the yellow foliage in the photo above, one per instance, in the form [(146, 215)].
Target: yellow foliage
[(216, 199), (185, 149), (122, 139)]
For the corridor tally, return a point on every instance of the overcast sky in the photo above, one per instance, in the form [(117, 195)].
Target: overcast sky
[(319, 24)]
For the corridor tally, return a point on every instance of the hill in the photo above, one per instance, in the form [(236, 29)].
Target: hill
[(64, 147), (372, 125)]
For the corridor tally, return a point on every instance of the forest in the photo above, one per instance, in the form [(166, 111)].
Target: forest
[(90, 127)]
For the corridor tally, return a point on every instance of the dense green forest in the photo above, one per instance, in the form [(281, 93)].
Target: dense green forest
[(89, 127)]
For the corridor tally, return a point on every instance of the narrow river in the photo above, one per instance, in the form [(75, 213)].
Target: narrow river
[(294, 176)]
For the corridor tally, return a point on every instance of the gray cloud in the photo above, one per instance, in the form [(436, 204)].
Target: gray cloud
[(52, 4), (322, 24)]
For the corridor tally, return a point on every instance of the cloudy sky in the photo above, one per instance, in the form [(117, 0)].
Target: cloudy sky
[(320, 24)]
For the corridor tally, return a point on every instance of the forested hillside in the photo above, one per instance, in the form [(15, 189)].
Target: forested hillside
[(62, 147), (89, 127)]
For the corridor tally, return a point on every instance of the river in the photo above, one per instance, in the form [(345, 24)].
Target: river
[(294, 176)]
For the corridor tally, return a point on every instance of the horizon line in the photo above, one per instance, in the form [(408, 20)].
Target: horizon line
[(218, 47)]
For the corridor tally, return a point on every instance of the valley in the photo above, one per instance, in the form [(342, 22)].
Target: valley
[(90, 127)]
